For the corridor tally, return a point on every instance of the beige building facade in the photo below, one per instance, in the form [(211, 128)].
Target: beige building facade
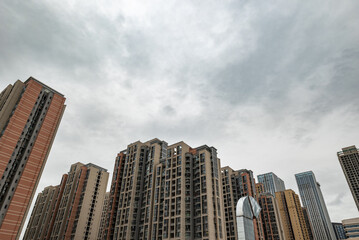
[(103, 223), (349, 160), (351, 228), (291, 214), (43, 214), (167, 192), (77, 208)]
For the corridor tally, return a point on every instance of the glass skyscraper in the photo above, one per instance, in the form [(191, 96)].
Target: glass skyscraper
[(312, 200), (271, 183)]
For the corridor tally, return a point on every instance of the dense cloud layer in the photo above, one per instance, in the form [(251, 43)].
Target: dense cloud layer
[(272, 85)]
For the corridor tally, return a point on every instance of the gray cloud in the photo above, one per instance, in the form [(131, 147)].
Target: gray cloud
[(272, 85)]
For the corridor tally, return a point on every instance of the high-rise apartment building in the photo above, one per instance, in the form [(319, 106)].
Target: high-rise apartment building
[(30, 114), (166, 192), (339, 231), (44, 212), (291, 214), (77, 209), (259, 188), (351, 228), (349, 160), (238, 184), (313, 201), (114, 196), (103, 222), (271, 182), (270, 216)]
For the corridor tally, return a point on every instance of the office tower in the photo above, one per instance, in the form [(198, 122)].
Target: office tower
[(313, 201), (339, 231), (167, 192), (349, 160), (237, 184), (41, 213), (103, 222), (78, 209), (351, 228), (272, 227), (291, 215), (44, 212), (30, 114), (271, 183)]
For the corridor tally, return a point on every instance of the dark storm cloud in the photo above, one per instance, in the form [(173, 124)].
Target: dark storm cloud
[(267, 83)]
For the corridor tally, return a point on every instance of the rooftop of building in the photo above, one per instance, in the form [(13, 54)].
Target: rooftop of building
[(350, 221), (44, 85), (268, 173), (156, 140), (80, 164), (96, 166), (307, 173), (348, 150)]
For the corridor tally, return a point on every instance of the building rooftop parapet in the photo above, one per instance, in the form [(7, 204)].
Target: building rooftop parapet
[(304, 173), (206, 147), (346, 150), (44, 85), (95, 166)]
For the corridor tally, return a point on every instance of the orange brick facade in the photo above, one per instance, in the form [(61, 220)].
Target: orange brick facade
[(114, 196), (29, 177)]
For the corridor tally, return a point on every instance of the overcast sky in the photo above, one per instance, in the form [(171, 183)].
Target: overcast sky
[(273, 85)]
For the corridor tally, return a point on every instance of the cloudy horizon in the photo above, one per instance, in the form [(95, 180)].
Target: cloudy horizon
[(272, 85)]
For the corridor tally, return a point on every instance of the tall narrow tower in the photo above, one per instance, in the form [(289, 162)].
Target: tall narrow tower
[(292, 217), (313, 201), (30, 114), (349, 160)]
